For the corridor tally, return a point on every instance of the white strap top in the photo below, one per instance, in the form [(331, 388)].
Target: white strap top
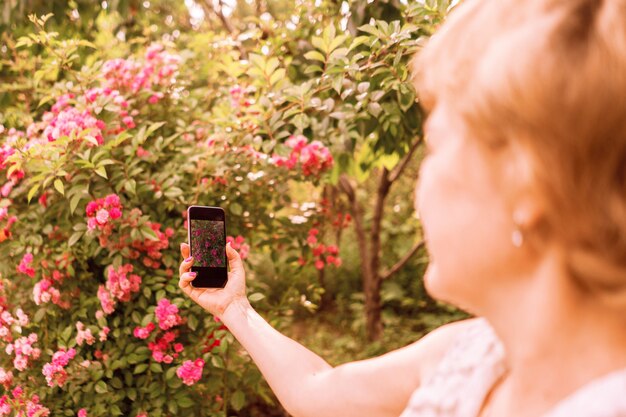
[(475, 362)]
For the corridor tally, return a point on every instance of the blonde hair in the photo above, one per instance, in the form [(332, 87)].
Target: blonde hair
[(549, 76)]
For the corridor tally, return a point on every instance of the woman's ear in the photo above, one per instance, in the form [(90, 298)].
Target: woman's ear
[(521, 187)]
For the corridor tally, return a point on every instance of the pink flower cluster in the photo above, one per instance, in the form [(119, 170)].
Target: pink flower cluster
[(6, 378), (190, 371), (313, 158), (114, 102), (72, 121), (25, 266), (152, 248), (238, 97), (84, 335), (54, 371), (44, 292), (5, 231), (6, 150), (238, 243), (144, 332), (331, 252), (7, 320), (21, 406), (102, 211), (158, 68), (167, 314), (24, 351), (120, 285), (164, 349)]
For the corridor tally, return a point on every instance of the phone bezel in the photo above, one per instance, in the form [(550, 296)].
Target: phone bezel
[(207, 277)]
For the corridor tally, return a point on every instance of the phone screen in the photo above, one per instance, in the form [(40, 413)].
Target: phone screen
[(207, 241)]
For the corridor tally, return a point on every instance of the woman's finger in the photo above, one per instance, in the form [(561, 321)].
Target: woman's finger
[(234, 260), (185, 265), (184, 250), (185, 279)]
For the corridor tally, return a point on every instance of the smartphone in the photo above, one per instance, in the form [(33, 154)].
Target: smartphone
[(207, 242)]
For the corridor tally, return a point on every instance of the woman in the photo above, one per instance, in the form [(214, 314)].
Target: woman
[(523, 202)]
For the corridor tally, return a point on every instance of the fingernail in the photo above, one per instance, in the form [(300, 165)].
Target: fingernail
[(189, 259), (192, 274)]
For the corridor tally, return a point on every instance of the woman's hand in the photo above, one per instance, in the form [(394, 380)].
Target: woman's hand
[(215, 300)]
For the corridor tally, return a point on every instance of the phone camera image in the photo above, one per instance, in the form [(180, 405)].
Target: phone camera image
[(208, 243)]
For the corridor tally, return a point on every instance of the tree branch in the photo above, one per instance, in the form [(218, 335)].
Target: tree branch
[(399, 168), (218, 12), (402, 261)]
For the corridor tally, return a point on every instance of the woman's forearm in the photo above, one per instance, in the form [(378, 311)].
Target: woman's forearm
[(288, 367)]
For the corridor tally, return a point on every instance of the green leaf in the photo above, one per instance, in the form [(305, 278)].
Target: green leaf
[(315, 56), (192, 322), (319, 43), (101, 387), (238, 400), (140, 368), (101, 171), (32, 191), (156, 367), (74, 238), (74, 203), (257, 296), (148, 233), (236, 209), (58, 184)]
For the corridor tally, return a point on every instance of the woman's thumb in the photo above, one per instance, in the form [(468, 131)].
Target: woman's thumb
[(234, 260)]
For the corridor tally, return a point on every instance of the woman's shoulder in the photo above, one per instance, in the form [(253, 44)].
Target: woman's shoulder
[(446, 339)]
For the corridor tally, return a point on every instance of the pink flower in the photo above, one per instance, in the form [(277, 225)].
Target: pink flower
[(103, 334), (143, 332), (319, 264), (6, 378), (190, 371), (71, 122), (84, 335), (102, 216), (82, 413), (313, 158), (115, 213), (129, 122), (141, 152), (167, 314), (154, 99), (107, 303), (44, 292), (55, 371), (25, 265)]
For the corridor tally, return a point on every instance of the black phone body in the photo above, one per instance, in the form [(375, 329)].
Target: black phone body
[(207, 244)]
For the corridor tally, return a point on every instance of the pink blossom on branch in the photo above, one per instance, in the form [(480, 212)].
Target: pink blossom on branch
[(190, 371), (143, 332), (25, 265), (55, 371), (312, 158), (167, 314), (238, 243), (84, 335)]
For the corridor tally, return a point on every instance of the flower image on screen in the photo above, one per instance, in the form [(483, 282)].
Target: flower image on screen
[(208, 243)]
